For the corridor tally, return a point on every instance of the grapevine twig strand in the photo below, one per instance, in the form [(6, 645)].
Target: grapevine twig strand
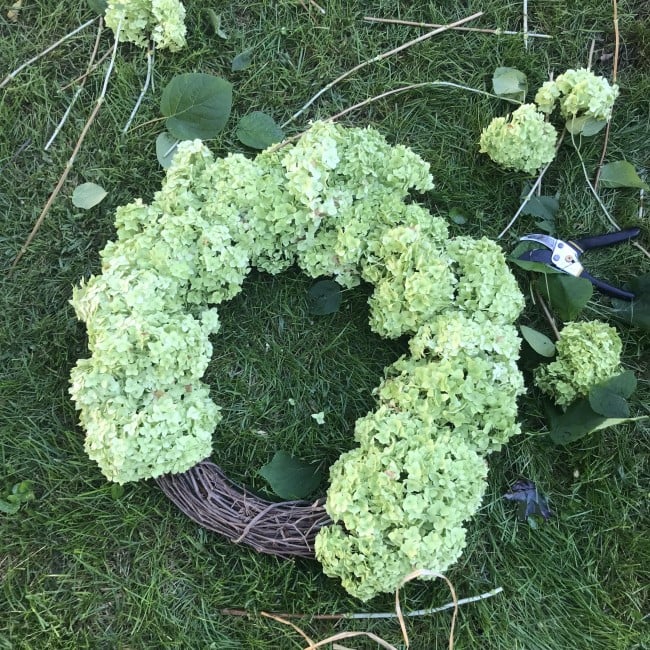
[(73, 156), (47, 50), (89, 67), (377, 58), (477, 30)]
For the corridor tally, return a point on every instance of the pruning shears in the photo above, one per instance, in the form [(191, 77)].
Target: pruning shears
[(565, 256)]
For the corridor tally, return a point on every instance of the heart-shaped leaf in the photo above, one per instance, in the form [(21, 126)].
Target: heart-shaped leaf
[(543, 207), (621, 174), (585, 125), (324, 297), (567, 295), (88, 195), (538, 341), (258, 130), (289, 477), (608, 397), (196, 105)]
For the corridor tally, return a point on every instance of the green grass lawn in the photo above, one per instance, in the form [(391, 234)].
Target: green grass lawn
[(88, 566)]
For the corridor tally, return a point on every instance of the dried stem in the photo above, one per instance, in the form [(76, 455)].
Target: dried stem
[(280, 619), (532, 189), (143, 92), (423, 84), (372, 615), (547, 313), (525, 24), (478, 30), (79, 90), (47, 50), (614, 75), (73, 156), (377, 58)]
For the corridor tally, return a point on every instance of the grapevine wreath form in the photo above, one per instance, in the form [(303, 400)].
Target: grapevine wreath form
[(335, 204)]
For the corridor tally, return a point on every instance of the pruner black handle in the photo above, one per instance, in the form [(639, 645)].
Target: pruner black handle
[(607, 289), (606, 240)]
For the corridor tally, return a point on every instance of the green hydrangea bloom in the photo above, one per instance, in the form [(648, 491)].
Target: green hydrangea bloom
[(143, 20), (523, 141), (580, 93), (588, 353)]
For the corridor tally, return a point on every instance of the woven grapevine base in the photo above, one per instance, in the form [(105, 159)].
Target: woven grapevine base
[(209, 498)]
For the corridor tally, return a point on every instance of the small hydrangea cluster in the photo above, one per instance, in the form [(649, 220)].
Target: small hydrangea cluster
[(140, 21), (335, 204), (580, 93), (588, 353), (524, 141)]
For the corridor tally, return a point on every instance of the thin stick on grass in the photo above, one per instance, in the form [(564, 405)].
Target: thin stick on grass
[(143, 92), (532, 189), (73, 156), (377, 58), (422, 84), (81, 77), (362, 616), (478, 30), (547, 313), (47, 50), (614, 75), (79, 90), (525, 24)]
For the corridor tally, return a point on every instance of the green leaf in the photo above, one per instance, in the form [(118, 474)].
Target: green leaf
[(538, 341), (585, 125), (510, 83), (9, 507), (289, 477), (578, 421), (607, 403), (98, 6), (88, 195), (567, 294), (621, 174), (215, 21), (242, 60), (457, 216), (117, 491), (258, 130), (324, 297), (608, 397), (545, 226), (165, 149), (637, 311), (196, 105), (543, 207)]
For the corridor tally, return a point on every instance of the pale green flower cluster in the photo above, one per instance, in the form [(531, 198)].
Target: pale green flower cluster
[(522, 141), (335, 203), (588, 353), (140, 21), (580, 93)]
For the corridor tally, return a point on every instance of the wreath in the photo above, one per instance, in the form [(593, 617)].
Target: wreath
[(336, 203)]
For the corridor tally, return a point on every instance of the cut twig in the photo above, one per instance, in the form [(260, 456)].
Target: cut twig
[(377, 58), (79, 90), (547, 313), (478, 30), (614, 75), (525, 24), (143, 92), (422, 84), (362, 616), (75, 151), (47, 50), (532, 189)]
